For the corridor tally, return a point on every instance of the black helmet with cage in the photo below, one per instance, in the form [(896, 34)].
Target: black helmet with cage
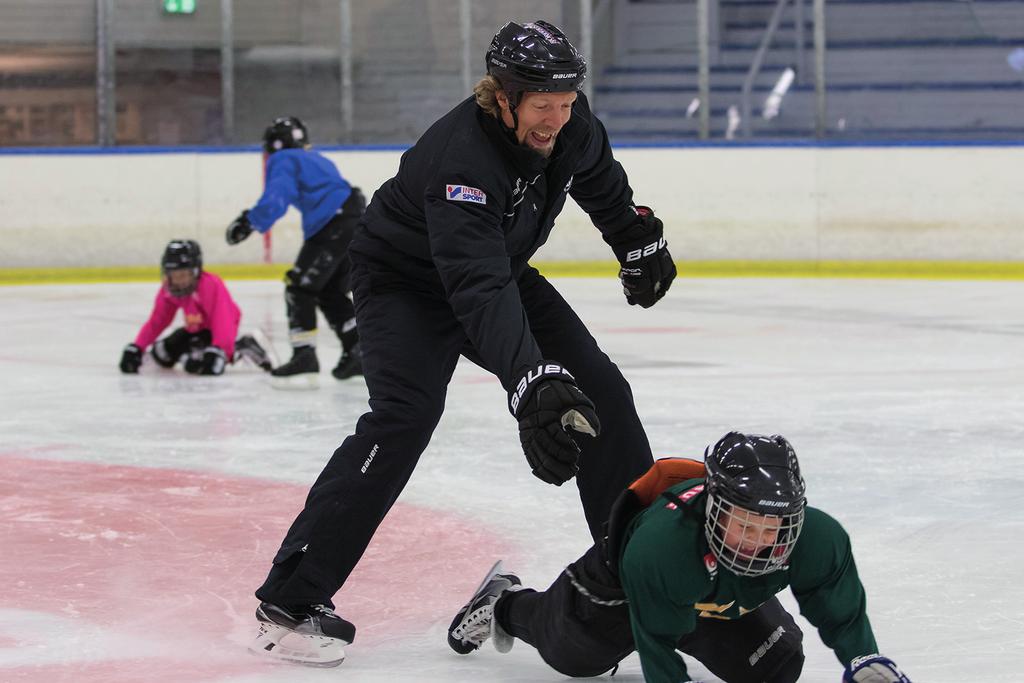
[(181, 255), (284, 133), (753, 480), (534, 57)]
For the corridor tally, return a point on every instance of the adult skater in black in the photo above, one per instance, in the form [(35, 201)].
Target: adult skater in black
[(694, 556), (440, 269)]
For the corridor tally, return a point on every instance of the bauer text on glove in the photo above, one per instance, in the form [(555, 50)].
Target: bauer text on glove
[(647, 269), (549, 407)]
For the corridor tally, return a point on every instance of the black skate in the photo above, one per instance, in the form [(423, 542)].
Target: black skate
[(301, 372), (350, 365), (251, 350), (313, 635), (475, 622)]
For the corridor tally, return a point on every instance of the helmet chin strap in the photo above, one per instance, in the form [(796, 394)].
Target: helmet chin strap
[(513, 106)]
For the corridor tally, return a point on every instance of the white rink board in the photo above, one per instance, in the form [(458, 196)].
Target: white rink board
[(785, 203)]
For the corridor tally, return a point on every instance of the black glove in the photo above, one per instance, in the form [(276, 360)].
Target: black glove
[(211, 362), (547, 403), (647, 268), (131, 359), (239, 229)]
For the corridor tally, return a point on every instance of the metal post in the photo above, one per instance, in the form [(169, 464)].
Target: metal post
[(465, 33), (755, 66), (819, 69), (227, 70), (106, 110), (798, 18), (587, 44), (345, 64), (704, 67)]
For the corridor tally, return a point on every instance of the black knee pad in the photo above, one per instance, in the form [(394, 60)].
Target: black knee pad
[(170, 349), (308, 282)]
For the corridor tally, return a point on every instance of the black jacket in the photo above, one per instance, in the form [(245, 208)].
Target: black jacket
[(470, 206)]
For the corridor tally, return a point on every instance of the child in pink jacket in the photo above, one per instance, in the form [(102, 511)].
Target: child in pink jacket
[(206, 343)]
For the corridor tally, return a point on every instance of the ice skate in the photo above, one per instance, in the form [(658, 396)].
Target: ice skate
[(301, 372), (312, 635), (475, 622), (350, 364), (251, 350)]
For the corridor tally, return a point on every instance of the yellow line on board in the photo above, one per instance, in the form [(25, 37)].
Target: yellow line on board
[(39, 276), (934, 270)]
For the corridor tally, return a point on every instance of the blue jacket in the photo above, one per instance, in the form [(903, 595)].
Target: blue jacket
[(306, 180)]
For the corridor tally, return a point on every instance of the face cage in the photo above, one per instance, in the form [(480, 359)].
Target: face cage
[(767, 560), (179, 292)]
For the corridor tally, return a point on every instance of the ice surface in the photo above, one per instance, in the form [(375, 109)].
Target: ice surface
[(138, 513)]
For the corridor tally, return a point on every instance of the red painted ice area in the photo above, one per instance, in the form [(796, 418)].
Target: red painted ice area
[(116, 573)]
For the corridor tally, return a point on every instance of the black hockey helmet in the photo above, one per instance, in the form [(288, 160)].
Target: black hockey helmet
[(753, 476), (534, 57), (181, 255), (285, 132)]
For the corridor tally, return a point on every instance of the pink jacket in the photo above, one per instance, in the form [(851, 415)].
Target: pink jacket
[(209, 307)]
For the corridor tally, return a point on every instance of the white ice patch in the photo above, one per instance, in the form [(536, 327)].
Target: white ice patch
[(182, 490), (32, 639), (106, 535), (464, 193)]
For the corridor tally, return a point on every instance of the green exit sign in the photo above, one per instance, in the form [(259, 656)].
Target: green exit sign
[(178, 6)]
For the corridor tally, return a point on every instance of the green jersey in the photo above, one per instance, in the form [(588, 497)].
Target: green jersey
[(671, 580)]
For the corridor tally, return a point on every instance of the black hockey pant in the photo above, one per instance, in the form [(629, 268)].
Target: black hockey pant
[(411, 342), (320, 277), (581, 627), (180, 343)]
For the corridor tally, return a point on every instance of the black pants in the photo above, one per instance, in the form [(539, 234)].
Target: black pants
[(321, 278), (411, 344), (179, 344), (581, 634)]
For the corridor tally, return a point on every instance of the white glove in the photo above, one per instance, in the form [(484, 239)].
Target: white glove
[(874, 669)]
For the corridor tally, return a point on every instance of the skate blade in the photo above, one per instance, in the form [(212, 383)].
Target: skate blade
[(279, 644), (496, 568), (301, 382)]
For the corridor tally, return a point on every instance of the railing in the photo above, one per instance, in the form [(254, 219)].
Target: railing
[(755, 66), (325, 59), (819, 49), (123, 72)]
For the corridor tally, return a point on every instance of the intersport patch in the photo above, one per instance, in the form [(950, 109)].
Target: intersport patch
[(464, 193)]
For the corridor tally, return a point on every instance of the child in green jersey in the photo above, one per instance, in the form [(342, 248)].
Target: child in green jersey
[(694, 556)]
